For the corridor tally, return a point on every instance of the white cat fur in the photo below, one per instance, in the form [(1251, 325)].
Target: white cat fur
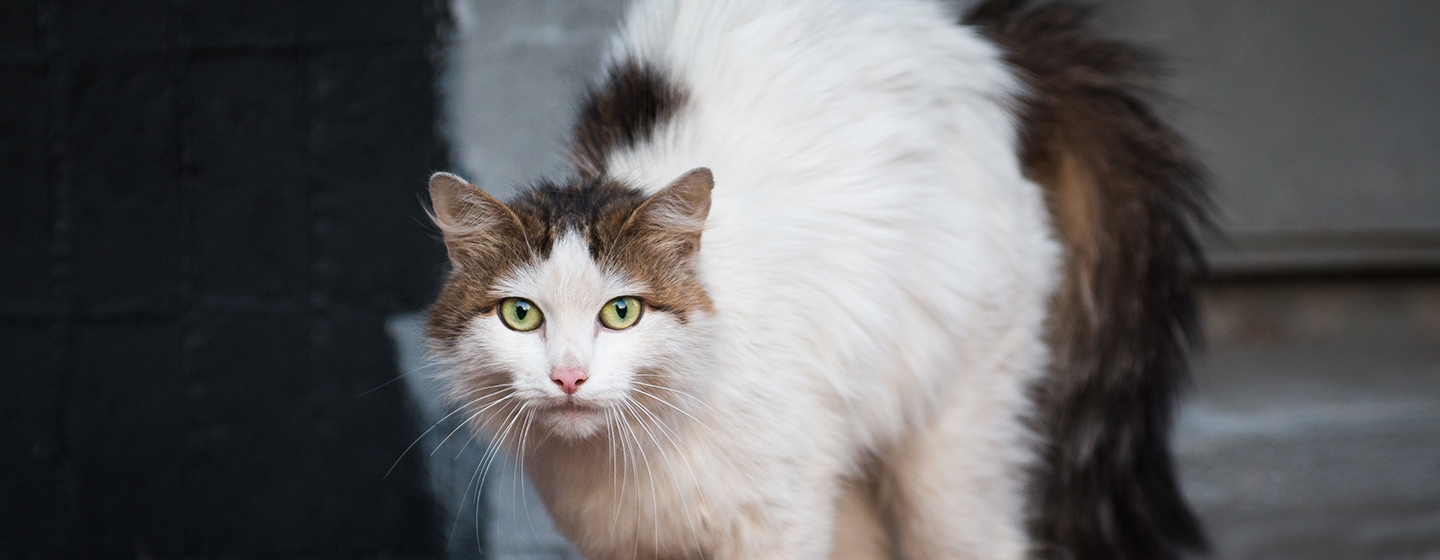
[(880, 272)]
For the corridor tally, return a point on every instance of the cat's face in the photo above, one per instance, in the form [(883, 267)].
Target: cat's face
[(573, 307)]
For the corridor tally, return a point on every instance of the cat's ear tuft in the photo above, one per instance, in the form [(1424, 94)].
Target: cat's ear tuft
[(473, 222), (675, 216)]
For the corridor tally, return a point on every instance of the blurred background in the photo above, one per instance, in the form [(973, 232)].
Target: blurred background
[(213, 249)]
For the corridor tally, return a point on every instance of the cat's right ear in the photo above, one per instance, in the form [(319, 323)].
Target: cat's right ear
[(475, 224)]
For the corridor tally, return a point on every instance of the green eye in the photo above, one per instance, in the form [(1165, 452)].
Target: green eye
[(520, 314), (620, 313)]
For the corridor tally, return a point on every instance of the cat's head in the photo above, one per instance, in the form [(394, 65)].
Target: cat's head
[(574, 305)]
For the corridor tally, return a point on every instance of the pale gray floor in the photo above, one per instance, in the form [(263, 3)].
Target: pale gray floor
[(1314, 427)]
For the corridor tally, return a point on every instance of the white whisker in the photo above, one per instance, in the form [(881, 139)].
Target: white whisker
[(692, 398), (481, 469), (468, 420), (650, 474), (431, 428), (674, 478)]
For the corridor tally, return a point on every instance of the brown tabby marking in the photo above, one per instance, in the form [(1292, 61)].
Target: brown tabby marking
[(484, 239), (658, 242)]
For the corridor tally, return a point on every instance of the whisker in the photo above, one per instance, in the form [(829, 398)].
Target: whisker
[(483, 465), (429, 364), (691, 397), (468, 420), (524, 500), (677, 409), (464, 496), (630, 430), (650, 474), (624, 472), (496, 449), (674, 478), (427, 432), (614, 468)]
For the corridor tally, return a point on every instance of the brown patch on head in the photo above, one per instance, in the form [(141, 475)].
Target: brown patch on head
[(484, 239), (583, 206), (656, 243), (652, 241)]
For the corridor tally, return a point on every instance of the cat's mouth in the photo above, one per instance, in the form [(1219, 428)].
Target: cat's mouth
[(573, 405), (572, 418), (570, 408)]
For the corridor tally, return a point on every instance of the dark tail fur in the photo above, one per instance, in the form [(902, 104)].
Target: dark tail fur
[(1125, 194)]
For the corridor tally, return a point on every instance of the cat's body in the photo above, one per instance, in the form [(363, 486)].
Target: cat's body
[(845, 348)]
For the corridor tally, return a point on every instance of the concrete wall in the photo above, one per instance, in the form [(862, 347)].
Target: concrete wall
[(1318, 119)]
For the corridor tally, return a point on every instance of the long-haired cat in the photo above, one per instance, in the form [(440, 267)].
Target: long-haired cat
[(841, 279)]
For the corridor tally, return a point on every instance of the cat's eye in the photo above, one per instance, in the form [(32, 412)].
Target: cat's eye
[(520, 314), (621, 313)]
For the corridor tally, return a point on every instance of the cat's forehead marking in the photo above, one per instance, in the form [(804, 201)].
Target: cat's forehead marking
[(568, 278), (585, 222), (596, 209)]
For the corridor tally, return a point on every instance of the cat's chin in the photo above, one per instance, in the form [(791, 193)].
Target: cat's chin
[(575, 421)]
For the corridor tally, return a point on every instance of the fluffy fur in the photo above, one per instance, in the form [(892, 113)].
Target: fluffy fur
[(847, 268), (1125, 192)]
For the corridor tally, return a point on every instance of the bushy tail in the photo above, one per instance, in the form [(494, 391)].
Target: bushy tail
[(1125, 193)]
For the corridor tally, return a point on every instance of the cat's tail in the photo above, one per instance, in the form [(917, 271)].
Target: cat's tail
[(1125, 194)]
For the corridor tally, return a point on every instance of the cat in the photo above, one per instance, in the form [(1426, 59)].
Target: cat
[(841, 279)]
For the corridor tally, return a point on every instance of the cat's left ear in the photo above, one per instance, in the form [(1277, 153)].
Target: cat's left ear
[(674, 217)]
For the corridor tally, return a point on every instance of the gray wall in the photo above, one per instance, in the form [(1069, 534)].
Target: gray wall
[(516, 69), (1318, 119)]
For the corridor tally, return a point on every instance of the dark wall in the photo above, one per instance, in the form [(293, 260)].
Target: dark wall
[(207, 209)]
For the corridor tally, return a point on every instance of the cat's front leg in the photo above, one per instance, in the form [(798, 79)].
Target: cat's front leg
[(956, 488), (792, 523)]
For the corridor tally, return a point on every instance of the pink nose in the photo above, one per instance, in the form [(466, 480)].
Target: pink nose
[(568, 379)]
